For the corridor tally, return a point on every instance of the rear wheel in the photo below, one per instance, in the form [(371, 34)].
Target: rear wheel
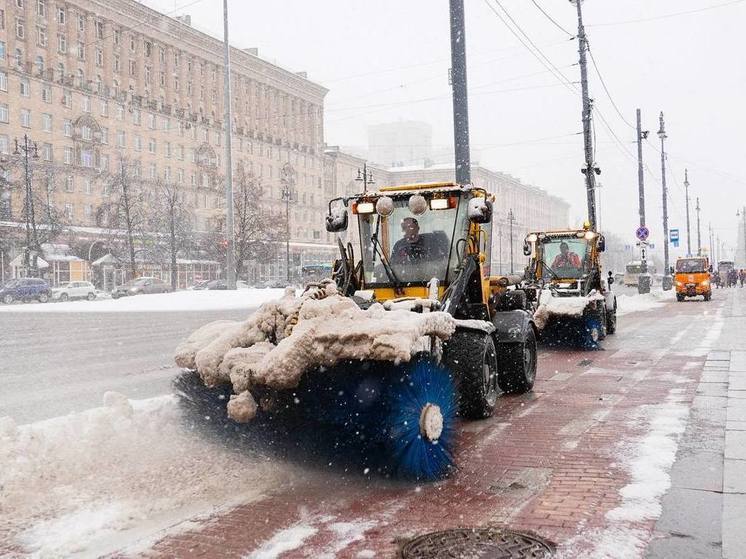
[(43, 298), (91, 296), (679, 298), (473, 359), (708, 296), (518, 365), (64, 297), (611, 321)]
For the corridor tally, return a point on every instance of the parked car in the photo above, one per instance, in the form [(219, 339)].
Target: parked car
[(202, 284), (217, 284), (74, 290), (25, 289), (141, 285)]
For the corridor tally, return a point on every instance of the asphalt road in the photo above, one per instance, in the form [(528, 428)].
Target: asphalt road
[(55, 363)]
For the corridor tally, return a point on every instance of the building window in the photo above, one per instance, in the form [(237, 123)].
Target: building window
[(148, 48), (104, 107), (151, 145), (167, 173), (88, 212), (136, 117), (41, 37), (86, 157), (120, 112), (20, 28), (2, 50), (168, 149), (46, 94), (133, 67), (151, 121), (99, 57), (81, 51), (4, 144), (3, 80), (104, 166), (153, 171), (46, 152), (121, 140), (2, 18), (46, 122), (67, 98), (138, 143), (81, 23), (68, 161), (61, 44), (85, 104), (147, 74), (86, 133), (180, 176), (132, 43), (26, 118), (117, 37), (117, 64), (99, 30), (104, 135), (67, 128), (69, 212), (61, 16), (41, 8), (181, 152)]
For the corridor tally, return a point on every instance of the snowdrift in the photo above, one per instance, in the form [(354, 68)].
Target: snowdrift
[(292, 335)]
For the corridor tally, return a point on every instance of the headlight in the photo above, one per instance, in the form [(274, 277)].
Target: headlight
[(679, 283), (706, 282)]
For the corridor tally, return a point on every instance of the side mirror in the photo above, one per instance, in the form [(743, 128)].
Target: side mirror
[(526, 248), (601, 243), (337, 219), (480, 210)]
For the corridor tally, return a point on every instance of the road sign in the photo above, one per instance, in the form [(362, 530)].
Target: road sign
[(642, 233), (674, 235), (643, 254), (675, 243)]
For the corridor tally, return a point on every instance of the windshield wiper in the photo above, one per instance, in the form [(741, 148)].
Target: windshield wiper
[(377, 248), (548, 269)]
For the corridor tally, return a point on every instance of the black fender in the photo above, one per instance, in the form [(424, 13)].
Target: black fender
[(512, 326)]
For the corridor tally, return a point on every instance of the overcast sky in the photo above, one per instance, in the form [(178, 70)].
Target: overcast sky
[(388, 60)]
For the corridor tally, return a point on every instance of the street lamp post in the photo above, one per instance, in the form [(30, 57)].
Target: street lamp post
[(511, 219), (667, 279), (230, 255), (365, 176), (288, 181), (29, 148)]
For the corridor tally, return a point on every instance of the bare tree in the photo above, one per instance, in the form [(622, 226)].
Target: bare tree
[(126, 214), (256, 234), (171, 219)]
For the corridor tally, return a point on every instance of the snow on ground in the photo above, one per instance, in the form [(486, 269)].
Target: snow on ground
[(190, 300), (647, 302), (89, 483), (648, 462)]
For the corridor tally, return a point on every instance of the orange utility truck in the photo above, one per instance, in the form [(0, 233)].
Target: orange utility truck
[(692, 278)]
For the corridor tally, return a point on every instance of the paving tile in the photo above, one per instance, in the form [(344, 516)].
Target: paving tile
[(735, 425), (735, 445), (734, 476), (734, 534), (736, 409)]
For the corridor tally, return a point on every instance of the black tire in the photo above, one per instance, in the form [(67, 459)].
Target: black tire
[(8, 299), (43, 298), (115, 296), (679, 298), (518, 365), (473, 359), (91, 296), (510, 301), (708, 296), (64, 297), (611, 320)]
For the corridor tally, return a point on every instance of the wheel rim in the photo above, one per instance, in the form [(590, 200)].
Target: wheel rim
[(8, 299), (489, 375), (529, 362), (63, 297)]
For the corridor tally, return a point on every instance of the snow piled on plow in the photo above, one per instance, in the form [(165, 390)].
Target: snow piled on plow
[(551, 306), (287, 337), (94, 482)]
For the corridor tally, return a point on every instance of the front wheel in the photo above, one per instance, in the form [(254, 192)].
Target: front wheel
[(64, 297), (679, 298), (611, 321), (91, 296), (43, 298), (518, 365), (708, 296), (8, 299), (473, 359)]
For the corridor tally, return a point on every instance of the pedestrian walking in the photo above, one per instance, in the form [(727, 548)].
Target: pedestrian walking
[(717, 280), (732, 278), (742, 276)]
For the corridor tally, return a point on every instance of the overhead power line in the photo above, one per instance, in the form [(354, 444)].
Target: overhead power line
[(550, 18), (606, 89), (666, 16)]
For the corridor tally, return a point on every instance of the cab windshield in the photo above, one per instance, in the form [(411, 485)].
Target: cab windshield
[(415, 248), (691, 265), (566, 257)]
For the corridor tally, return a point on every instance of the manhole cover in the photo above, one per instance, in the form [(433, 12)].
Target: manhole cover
[(477, 543)]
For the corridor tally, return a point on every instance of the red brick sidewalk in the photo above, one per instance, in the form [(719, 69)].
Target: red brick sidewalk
[(548, 462)]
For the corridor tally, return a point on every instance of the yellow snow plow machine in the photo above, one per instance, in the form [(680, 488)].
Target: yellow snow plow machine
[(406, 336), (573, 300)]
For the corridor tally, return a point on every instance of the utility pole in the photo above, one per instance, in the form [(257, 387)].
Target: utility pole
[(511, 219), (742, 213), (667, 280), (643, 282), (500, 245), (590, 170), (712, 243), (230, 257), (29, 149), (688, 229), (460, 98), (366, 177), (699, 233)]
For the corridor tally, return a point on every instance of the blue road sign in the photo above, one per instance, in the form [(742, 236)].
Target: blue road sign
[(674, 235), (642, 233), (675, 243)]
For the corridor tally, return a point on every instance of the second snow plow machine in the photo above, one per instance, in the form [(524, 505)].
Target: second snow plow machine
[(574, 302), (401, 340)]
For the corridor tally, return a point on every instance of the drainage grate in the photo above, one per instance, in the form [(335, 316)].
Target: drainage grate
[(477, 543)]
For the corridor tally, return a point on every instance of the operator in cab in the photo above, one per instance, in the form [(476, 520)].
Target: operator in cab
[(411, 247), (566, 258)]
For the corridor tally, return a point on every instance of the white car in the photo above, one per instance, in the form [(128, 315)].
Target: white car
[(74, 290)]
